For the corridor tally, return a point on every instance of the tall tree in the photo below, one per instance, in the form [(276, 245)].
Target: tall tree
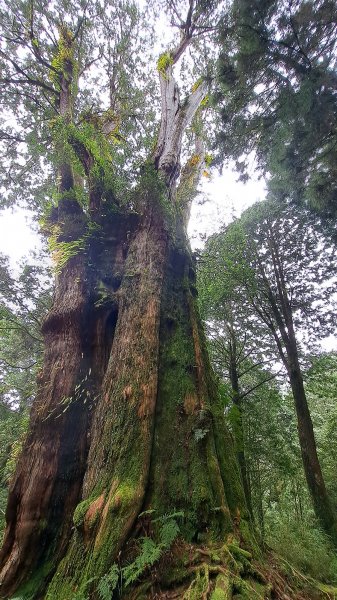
[(24, 300), (276, 96), (281, 265), (125, 365), (320, 382), (239, 348)]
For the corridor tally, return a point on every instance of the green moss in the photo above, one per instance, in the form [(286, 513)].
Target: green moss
[(64, 63), (185, 472), (165, 60), (197, 84), (249, 589), (174, 575), (80, 512), (29, 590), (223, 588), (219, 595), (62, 252), (239, 553), (199, 585)]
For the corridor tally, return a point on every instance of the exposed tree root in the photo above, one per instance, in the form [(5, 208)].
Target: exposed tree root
[(225, 572)]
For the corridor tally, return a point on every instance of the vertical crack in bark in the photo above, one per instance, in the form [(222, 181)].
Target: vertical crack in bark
[(130, 387), (47, 486)]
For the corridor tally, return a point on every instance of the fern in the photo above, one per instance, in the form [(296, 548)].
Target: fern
[(168, 533), (178, 514), (80, 594), (150, 552), (108, 583)]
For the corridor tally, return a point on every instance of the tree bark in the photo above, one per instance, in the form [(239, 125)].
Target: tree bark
[(238, 426), (121, 380), (311, 464), (77, 340)]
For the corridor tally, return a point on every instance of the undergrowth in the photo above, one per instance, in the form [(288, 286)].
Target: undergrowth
[(306, 547), (150, 550)]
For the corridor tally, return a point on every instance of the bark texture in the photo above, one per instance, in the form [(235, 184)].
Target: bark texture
[(127, 417)]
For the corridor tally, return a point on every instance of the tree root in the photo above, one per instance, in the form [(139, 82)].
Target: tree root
[(222, 572)]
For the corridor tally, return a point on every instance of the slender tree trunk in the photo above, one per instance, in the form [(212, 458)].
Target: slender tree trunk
[(285, 338), (311, 464), (238, 428), (260, 511)]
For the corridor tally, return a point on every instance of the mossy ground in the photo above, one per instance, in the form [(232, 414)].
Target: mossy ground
[(223, 572)]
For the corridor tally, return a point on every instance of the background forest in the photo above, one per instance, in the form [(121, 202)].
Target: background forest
[(266, 283)]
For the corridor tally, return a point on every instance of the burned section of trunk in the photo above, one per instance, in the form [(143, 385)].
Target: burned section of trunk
[(48, 477), (78, 334)]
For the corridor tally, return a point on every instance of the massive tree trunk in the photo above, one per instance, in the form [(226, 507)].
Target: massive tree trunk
[(127, 429), (127, 417)]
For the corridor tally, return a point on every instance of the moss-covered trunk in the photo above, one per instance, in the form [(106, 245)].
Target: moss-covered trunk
[(312, 468), (128, 486), (158, 445), (126, 418)]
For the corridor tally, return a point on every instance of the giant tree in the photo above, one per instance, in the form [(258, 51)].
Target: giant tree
[(125, 367), (281, 265)]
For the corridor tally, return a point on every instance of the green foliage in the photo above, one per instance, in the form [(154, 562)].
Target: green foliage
[(108, 583), (44, 45), (243, 300), (304, 546), (24, 301), (150, 552), (276, 96), (80, 512), (242, 269), (320, 384), (62, 252), (13, 429), (165, 60), (63, 62)]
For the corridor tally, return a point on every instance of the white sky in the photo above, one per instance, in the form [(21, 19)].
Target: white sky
[(226, 198), (17, 237)]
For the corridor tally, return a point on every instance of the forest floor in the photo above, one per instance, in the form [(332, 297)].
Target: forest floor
[(227, 572)]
